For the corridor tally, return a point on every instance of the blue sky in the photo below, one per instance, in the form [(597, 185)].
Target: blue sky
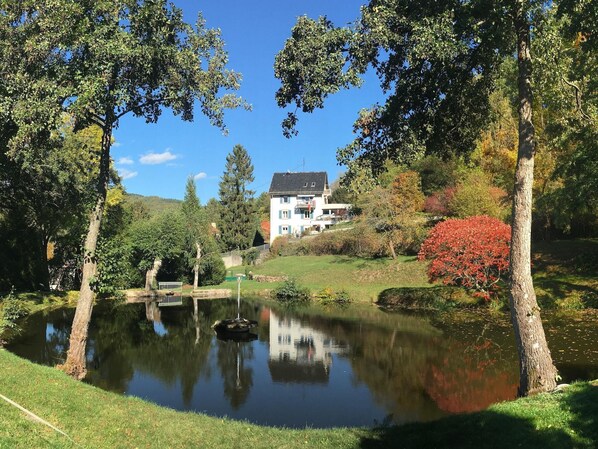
[(156, 159)]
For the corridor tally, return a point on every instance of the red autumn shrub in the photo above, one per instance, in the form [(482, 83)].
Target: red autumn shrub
[(471, 252)]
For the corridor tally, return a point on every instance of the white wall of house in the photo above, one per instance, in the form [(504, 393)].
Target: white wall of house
[(289, 216)]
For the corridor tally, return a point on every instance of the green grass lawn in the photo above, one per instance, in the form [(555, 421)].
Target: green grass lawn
[(363, 279), (564, 273), (94, 418)]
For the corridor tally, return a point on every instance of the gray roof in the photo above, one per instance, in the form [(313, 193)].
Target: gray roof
[(301, 183)]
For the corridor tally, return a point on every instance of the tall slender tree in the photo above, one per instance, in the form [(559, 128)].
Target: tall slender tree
[(237, 215), (198, 237), (99, 61), (437, 62)]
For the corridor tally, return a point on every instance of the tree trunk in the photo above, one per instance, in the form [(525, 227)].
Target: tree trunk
[(75, 359), (196, 266), (44, 271), (536, 370), (391, 247), (150, 275)]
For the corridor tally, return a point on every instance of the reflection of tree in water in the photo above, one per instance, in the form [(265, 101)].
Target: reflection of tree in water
[(471, 381), (236, 376), (44, 338), (125, 342), (419, 373)]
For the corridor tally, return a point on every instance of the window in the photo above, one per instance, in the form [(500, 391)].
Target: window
[(313, 184), (306, 214), (284, 230), (285, 214), (285, 199), (305, 185)]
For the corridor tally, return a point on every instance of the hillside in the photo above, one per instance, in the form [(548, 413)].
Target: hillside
[(154, 204)]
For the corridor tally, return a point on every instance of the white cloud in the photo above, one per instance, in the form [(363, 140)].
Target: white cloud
[(116, 144), (126, 174), (200, 175), (125, 161), (157, 158)]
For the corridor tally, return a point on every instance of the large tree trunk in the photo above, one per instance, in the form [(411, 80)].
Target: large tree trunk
[(75, 365), (536, 370), (196, 266), (150, 275)]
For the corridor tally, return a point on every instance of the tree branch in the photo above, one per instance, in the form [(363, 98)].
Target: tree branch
[(577, 97)]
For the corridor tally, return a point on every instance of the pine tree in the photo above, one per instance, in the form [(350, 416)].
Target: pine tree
[(237, 217)]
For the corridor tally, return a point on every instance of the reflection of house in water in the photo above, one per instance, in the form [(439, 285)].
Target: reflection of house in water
[(299, 353)]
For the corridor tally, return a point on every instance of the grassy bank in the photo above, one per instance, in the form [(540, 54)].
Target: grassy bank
[(363, 279), (94, 418), (565, 274)]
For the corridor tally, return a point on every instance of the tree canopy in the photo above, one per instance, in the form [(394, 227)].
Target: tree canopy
[(438, 63)]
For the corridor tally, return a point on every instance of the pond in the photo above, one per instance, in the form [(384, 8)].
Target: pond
[(311, 366)]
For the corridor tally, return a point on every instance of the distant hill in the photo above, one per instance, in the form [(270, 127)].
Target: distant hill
[(154, 204)]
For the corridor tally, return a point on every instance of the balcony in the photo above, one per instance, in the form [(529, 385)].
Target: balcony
[(305, 204)]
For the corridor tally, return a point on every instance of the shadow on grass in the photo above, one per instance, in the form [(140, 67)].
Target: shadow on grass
[(493, 429), (486, 429), (583, 405), (558, 288)]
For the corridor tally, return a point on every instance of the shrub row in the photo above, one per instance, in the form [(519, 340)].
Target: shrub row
[(439, 297)]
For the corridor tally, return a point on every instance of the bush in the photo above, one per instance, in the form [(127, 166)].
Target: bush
[(424, 298), (211, 270), (12, 310), (278, 245), (291, 291), (472, 253), (250, 256), (475, 195), (361, 241), (328, 295)]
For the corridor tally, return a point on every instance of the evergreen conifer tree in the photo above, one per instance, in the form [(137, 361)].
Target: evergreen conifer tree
[(237, 215)]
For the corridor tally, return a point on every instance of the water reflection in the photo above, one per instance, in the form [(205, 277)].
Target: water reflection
[(306, 367), (300, 353)]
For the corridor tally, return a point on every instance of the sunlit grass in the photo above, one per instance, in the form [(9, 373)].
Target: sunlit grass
[(94, 418), (363, 279)]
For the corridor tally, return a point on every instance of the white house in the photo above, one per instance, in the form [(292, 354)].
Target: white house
[(299, 201)]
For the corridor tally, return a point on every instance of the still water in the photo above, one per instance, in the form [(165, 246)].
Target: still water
[(312, 366)]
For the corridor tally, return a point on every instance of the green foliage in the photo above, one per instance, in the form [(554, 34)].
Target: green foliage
[(329, 296), (312, 42), (436, 74), (238, 220), (439, 298), (290, 291), (475, 195), (435, 173), (12, 310), (250, 256), (144, 207), (115, 271), (211, 270), (161, 238)]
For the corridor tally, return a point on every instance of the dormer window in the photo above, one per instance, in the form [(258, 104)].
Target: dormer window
[(313, 184), (305, 185)]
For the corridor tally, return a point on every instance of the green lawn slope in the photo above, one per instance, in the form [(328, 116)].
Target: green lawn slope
[(93, 418)]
